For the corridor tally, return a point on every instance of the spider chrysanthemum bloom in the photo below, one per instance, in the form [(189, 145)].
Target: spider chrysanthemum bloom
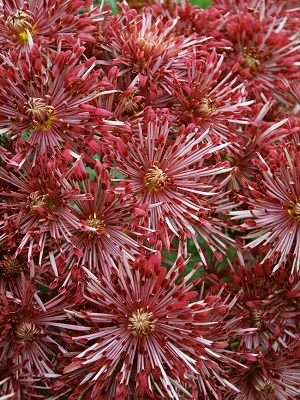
[(109, 224), (265, 49), (273, 216), (258, 136), (268, 304), (275, 375), (145, 47), (193, 19), (24, 23), (146, 335), (206, 98), (169, 174), (29, 334), (46, 99), (37, 209)]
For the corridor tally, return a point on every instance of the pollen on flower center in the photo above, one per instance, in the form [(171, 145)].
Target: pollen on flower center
[(155, 178), (26, 331), (250, 60), (10, 267), (20, 23), (141, 323), (38, 200), (39, 112), (294, 211), (94, 222), (205, 108), (145, 46), (255, 316), (267, 386)]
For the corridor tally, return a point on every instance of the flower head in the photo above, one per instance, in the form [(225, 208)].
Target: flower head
[(265, 49), (23, 23), (109, 225), (29, 332), (146, 337), (44, 98), (272, 219), (169, 172), (36, 209)]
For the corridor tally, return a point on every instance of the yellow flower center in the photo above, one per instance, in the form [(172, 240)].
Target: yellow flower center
[(141, 323), (250, 60), (10, 267), (267, 386), (27, 331), (38, 200), (294, 211), (155, 178), (205, 108), (39, 113), (256, 316), (94, 222), (20, 23)]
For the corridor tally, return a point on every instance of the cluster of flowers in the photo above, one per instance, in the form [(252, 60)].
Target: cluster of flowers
[(150, 200)]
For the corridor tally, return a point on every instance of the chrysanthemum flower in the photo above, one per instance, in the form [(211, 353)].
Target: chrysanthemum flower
[(272, 219), (44, 98), (146, 337), (265, 49), (259, 136), (275, 375), (193, 19), (145, 47), (109, 225), (267, 302), (24, 23), (168, 174), (206, 98), (30, 332), (36, 209)]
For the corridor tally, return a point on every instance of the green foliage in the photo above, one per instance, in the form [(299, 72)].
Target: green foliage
[(201, 3)]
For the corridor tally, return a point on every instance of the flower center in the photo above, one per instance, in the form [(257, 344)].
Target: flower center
[(205, 108), (294, 211), (27, 331), (155, 178), (20, 23), (94, 222), (267, 386), (10, 267), (38, 200), (145, 46), (141, 323), (255, 316), (250, 60), (39, 112)]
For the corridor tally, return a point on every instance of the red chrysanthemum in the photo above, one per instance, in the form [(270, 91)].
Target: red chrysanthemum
[(109, 225), (36, 209), (24, 23), (265, 49), (44, 101), (146, 336), (170, 171), (272, 219), (29, 333), (275, 375), (208, 99)]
